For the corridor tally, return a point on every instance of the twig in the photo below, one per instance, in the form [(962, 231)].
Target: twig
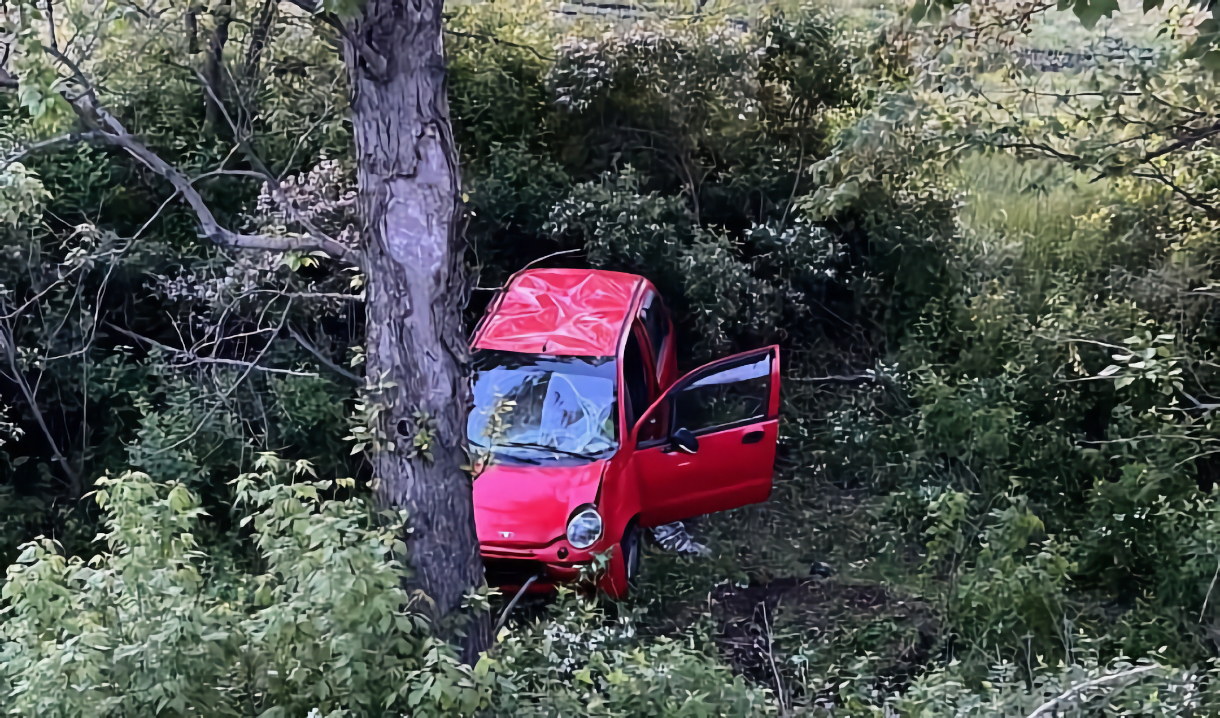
[(498, 41), (51, 24), (511, 604), (322, 357), (800, 163), (527, 266), (10, 351), (1086, 685), (225, 395), (194, 359), (779, 681), (1210, 586), (552, 254), (1069, 340)]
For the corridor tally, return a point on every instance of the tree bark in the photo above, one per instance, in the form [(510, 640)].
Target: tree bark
[(417, 287)]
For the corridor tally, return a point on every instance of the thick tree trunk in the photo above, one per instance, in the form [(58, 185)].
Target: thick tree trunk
[(409, 187)]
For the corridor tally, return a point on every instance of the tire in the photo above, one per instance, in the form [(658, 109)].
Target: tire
[(633, 553), (624, 565)]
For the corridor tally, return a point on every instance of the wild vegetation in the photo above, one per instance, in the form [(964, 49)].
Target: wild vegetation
[(984, 237)]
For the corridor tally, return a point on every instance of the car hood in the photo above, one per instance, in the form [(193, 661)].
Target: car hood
[(531, 504)]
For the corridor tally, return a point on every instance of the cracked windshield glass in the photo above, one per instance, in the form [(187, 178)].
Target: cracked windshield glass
[(531, 408)]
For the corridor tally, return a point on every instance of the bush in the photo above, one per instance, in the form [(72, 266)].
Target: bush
[(313, 619)]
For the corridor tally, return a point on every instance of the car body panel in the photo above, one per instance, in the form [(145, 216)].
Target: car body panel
[(571, 312), (521, 505), (735, 461), (725, 473)]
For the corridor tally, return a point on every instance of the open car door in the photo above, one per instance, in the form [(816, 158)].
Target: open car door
[(708, 444)]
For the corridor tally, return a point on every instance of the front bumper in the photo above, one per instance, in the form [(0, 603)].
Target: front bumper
[(509, 567)]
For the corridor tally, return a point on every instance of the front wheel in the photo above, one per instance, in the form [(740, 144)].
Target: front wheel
[(624, 566)]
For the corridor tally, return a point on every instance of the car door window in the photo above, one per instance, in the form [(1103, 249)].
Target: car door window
[(735, 393), (656, 324), (635, 379)]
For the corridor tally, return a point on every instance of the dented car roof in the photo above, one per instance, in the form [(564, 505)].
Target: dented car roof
[(561, 312)]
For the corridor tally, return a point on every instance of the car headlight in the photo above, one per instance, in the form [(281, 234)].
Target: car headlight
[(585, 527)]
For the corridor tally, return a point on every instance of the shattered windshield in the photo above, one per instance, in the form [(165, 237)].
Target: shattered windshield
[(532, 408)]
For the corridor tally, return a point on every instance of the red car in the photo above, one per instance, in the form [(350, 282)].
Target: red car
[(586, 435)]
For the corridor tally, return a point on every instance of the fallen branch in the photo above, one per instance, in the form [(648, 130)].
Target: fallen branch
[(512, 604), (1069, 693)]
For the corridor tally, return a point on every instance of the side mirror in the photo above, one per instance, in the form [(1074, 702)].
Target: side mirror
[(684, 440)]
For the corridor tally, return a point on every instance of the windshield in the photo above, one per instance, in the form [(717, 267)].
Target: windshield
[(533, 408)]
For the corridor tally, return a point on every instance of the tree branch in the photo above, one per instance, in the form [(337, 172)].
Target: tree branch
[(195, 359), (110, 130), (498, 41), (262, 171), (69, 138), (1190, 199), (375, 60), (1184, 142), (322, 357), (9, 349), (1069, 693)]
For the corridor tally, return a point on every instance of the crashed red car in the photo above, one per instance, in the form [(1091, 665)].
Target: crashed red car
[(587, 434)]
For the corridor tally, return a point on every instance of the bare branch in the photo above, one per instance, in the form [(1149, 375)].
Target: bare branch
[(9, 349), (109, 130), (195, 359), (262, 171), (225, 395), (258, 40), (527, 266), (498, 41), (322, 357), (867, 376)]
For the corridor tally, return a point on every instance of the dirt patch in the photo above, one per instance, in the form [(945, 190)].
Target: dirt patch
[(761, 626)]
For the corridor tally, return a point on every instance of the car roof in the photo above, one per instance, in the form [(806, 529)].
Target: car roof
[(568, 312)]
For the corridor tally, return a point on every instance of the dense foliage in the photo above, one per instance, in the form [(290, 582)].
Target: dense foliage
[(990, 265)]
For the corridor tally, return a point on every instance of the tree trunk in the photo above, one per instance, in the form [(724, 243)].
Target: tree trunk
[(417, 287), (213, 71)]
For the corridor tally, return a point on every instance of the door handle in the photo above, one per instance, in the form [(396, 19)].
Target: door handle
[(752, 437)]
